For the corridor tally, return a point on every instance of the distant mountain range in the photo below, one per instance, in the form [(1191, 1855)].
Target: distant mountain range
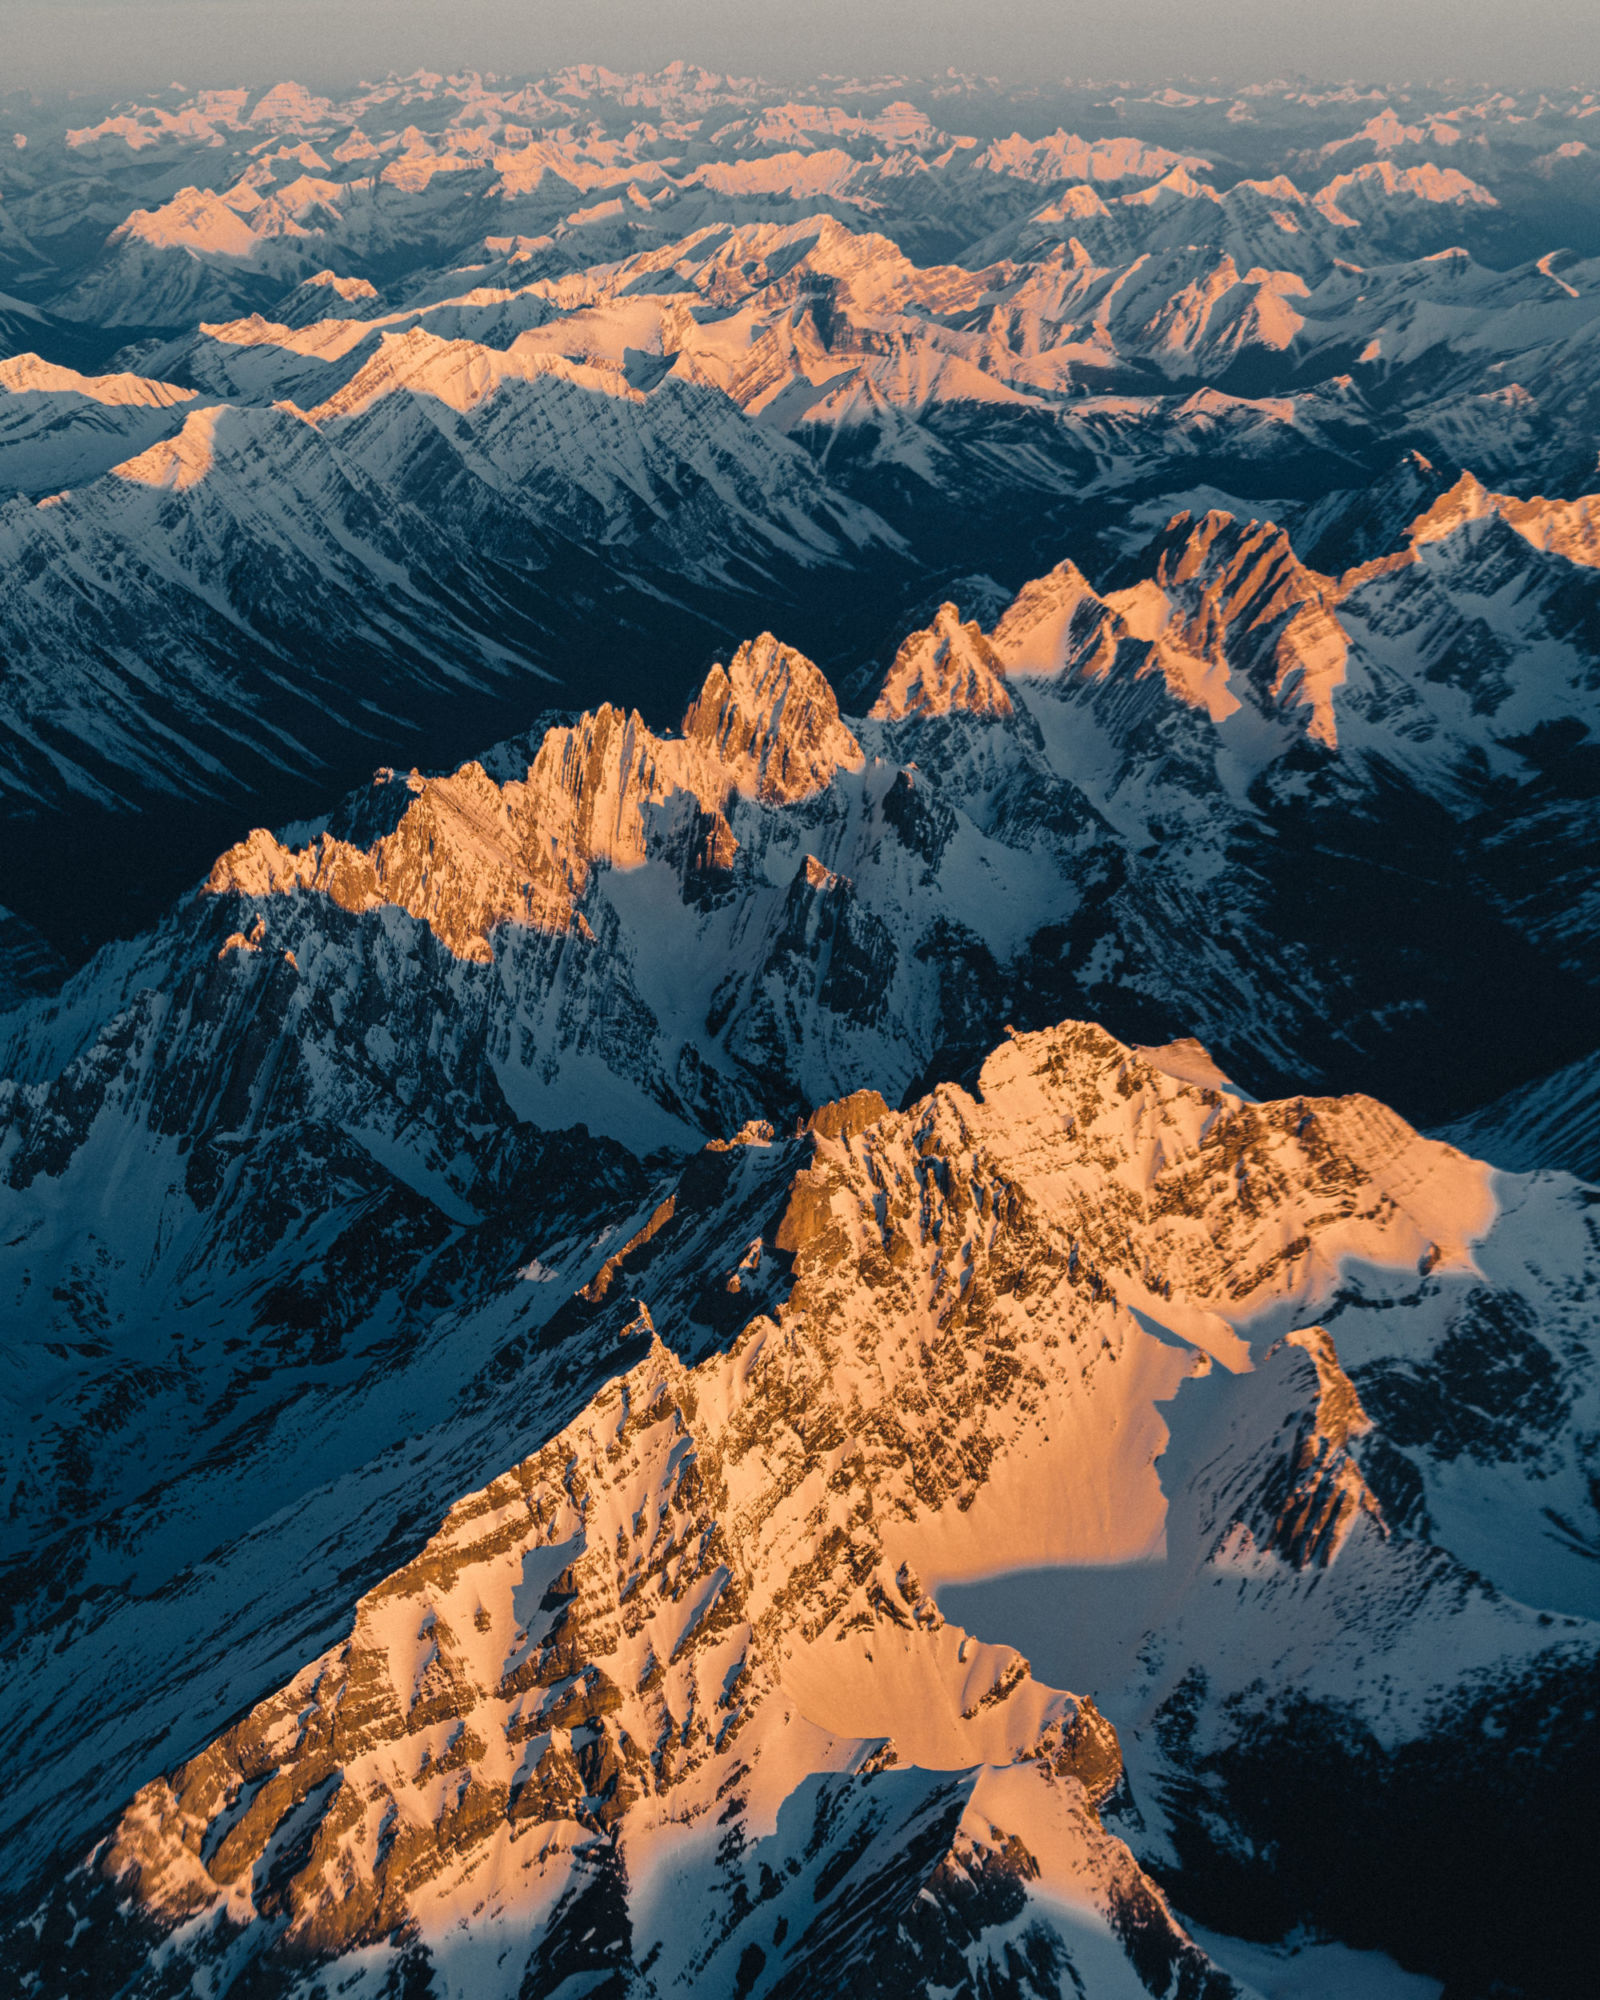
[(436, 403)]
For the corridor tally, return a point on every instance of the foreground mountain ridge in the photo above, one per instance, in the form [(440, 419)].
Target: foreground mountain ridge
[(715, 1581)]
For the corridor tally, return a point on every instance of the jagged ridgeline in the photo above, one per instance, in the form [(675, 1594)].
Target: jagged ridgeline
[(668, 1705), (1330, 824)]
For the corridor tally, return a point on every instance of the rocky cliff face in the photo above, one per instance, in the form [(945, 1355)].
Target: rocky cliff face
[(321, 1119), (343, 1091), (676, 1693), (468, 855)]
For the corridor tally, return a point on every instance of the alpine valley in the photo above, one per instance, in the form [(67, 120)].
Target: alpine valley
[(799, 1041)]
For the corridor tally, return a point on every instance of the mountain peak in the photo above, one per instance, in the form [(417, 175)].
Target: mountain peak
[(177, 462), (773, 720), (1050, 622), (468, 854), (1362, 189), (1245, 611), (23, 374), (459, 373), (947, 667), (1468, 500), (1569, 528), (196, 220)]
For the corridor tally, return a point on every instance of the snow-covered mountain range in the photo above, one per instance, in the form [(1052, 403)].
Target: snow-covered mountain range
[(314, 1194), (338, 429), (876, 1278), (673, 1700)]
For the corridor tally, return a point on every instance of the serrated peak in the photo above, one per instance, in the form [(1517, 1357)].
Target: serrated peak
[(1569, 528), (772, 720), (1468, 500), (1050, 621), (947, 667)]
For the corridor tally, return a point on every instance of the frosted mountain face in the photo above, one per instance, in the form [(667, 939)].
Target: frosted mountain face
[(27, 964), (62, 427), (674, 1698), (254, 541), (1554, 1117)]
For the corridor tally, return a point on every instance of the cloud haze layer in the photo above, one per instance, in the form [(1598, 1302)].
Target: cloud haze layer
[(67, 43)]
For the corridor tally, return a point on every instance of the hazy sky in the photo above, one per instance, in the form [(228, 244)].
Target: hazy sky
[(136, 43)]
